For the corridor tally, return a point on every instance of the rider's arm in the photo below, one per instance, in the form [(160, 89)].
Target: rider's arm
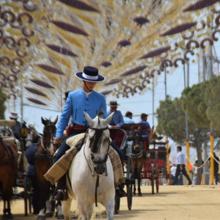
[(103, 107), (64, 118)]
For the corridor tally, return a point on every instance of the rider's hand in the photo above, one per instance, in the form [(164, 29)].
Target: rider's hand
[(57, 141), (65, 133)]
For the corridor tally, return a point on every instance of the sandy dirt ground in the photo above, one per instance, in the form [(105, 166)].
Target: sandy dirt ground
[(172, 203)]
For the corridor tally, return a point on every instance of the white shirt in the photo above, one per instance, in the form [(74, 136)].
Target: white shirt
[(173, 170), (180, 158)]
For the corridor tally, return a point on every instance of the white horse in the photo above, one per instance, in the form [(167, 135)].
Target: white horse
[(91, 173)]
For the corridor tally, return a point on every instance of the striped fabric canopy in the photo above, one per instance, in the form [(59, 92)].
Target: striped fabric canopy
[(43, 42)]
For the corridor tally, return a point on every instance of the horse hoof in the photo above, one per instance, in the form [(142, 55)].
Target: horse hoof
[(49, 214), (60, 216), (41, 217), (7, 217)]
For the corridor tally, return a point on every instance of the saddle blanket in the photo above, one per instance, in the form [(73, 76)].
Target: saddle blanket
[(62, 165)]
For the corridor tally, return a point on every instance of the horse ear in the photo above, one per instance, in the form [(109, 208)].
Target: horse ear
[(88, 119), (43, 120), (55, 121), (109, 118)]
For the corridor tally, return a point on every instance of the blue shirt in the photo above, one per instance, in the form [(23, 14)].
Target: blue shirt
[(146, 130), (145, 123), (76, 104), (117, 118), (128, 120)]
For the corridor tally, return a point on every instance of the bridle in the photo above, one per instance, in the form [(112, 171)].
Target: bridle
[(46, 142), (95, 146)]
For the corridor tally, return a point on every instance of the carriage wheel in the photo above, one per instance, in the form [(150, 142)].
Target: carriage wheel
[(129, 196), (117, 203)]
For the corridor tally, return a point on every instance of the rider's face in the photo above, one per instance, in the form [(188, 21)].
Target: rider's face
[(89, 86)]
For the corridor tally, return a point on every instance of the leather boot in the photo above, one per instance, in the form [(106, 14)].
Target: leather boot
[(61, 193), (120, 190)]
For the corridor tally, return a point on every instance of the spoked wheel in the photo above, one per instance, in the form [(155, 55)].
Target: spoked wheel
[(117, 203), (129, 196)]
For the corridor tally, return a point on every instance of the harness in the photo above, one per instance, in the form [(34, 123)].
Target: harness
[(95, 147)]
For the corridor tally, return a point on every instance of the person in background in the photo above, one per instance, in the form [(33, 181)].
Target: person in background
[(16, 129), (216, 168), (117, 119), (128, 118), (195, 172), (173, 173), (181, 168), (31, 177), (145, 129), (144, 121)]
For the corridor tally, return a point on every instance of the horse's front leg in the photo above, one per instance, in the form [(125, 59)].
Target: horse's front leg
[(85, 209), (110, 209), (41, 215), (66, 205)]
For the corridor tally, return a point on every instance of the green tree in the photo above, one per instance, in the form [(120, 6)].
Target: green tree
[(212, 100), (171, 122), (193, 102), (171, 119)]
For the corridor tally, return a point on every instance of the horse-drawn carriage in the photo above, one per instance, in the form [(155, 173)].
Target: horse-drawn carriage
[(14, 180), (11, 176), (154, 167), (147, 155)]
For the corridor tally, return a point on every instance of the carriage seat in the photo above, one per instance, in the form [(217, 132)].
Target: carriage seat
[(118, 136)]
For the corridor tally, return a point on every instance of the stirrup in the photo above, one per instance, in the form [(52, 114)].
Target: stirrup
[(120, 192)]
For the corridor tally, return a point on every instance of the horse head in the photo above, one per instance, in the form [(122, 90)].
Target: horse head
[(98, 141), (48, 132)]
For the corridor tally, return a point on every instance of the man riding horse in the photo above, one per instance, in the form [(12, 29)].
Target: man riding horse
[(79, 101)]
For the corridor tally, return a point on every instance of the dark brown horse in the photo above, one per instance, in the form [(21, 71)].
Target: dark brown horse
[(137, 162), (8, 171), (142, 136), (43, 161)]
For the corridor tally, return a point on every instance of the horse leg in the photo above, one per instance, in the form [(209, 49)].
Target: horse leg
[(139, 178), (134, 191), (9, 209), (85, 210), (4, 209), (41, 215), (59, 210), (66, 205), (139, 185), (110, 208)]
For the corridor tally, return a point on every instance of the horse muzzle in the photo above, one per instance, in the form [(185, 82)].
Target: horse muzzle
[(100, 168)]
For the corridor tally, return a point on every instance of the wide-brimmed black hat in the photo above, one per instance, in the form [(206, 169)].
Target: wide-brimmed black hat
[(13, 115), (90, 74), (113, 103)]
